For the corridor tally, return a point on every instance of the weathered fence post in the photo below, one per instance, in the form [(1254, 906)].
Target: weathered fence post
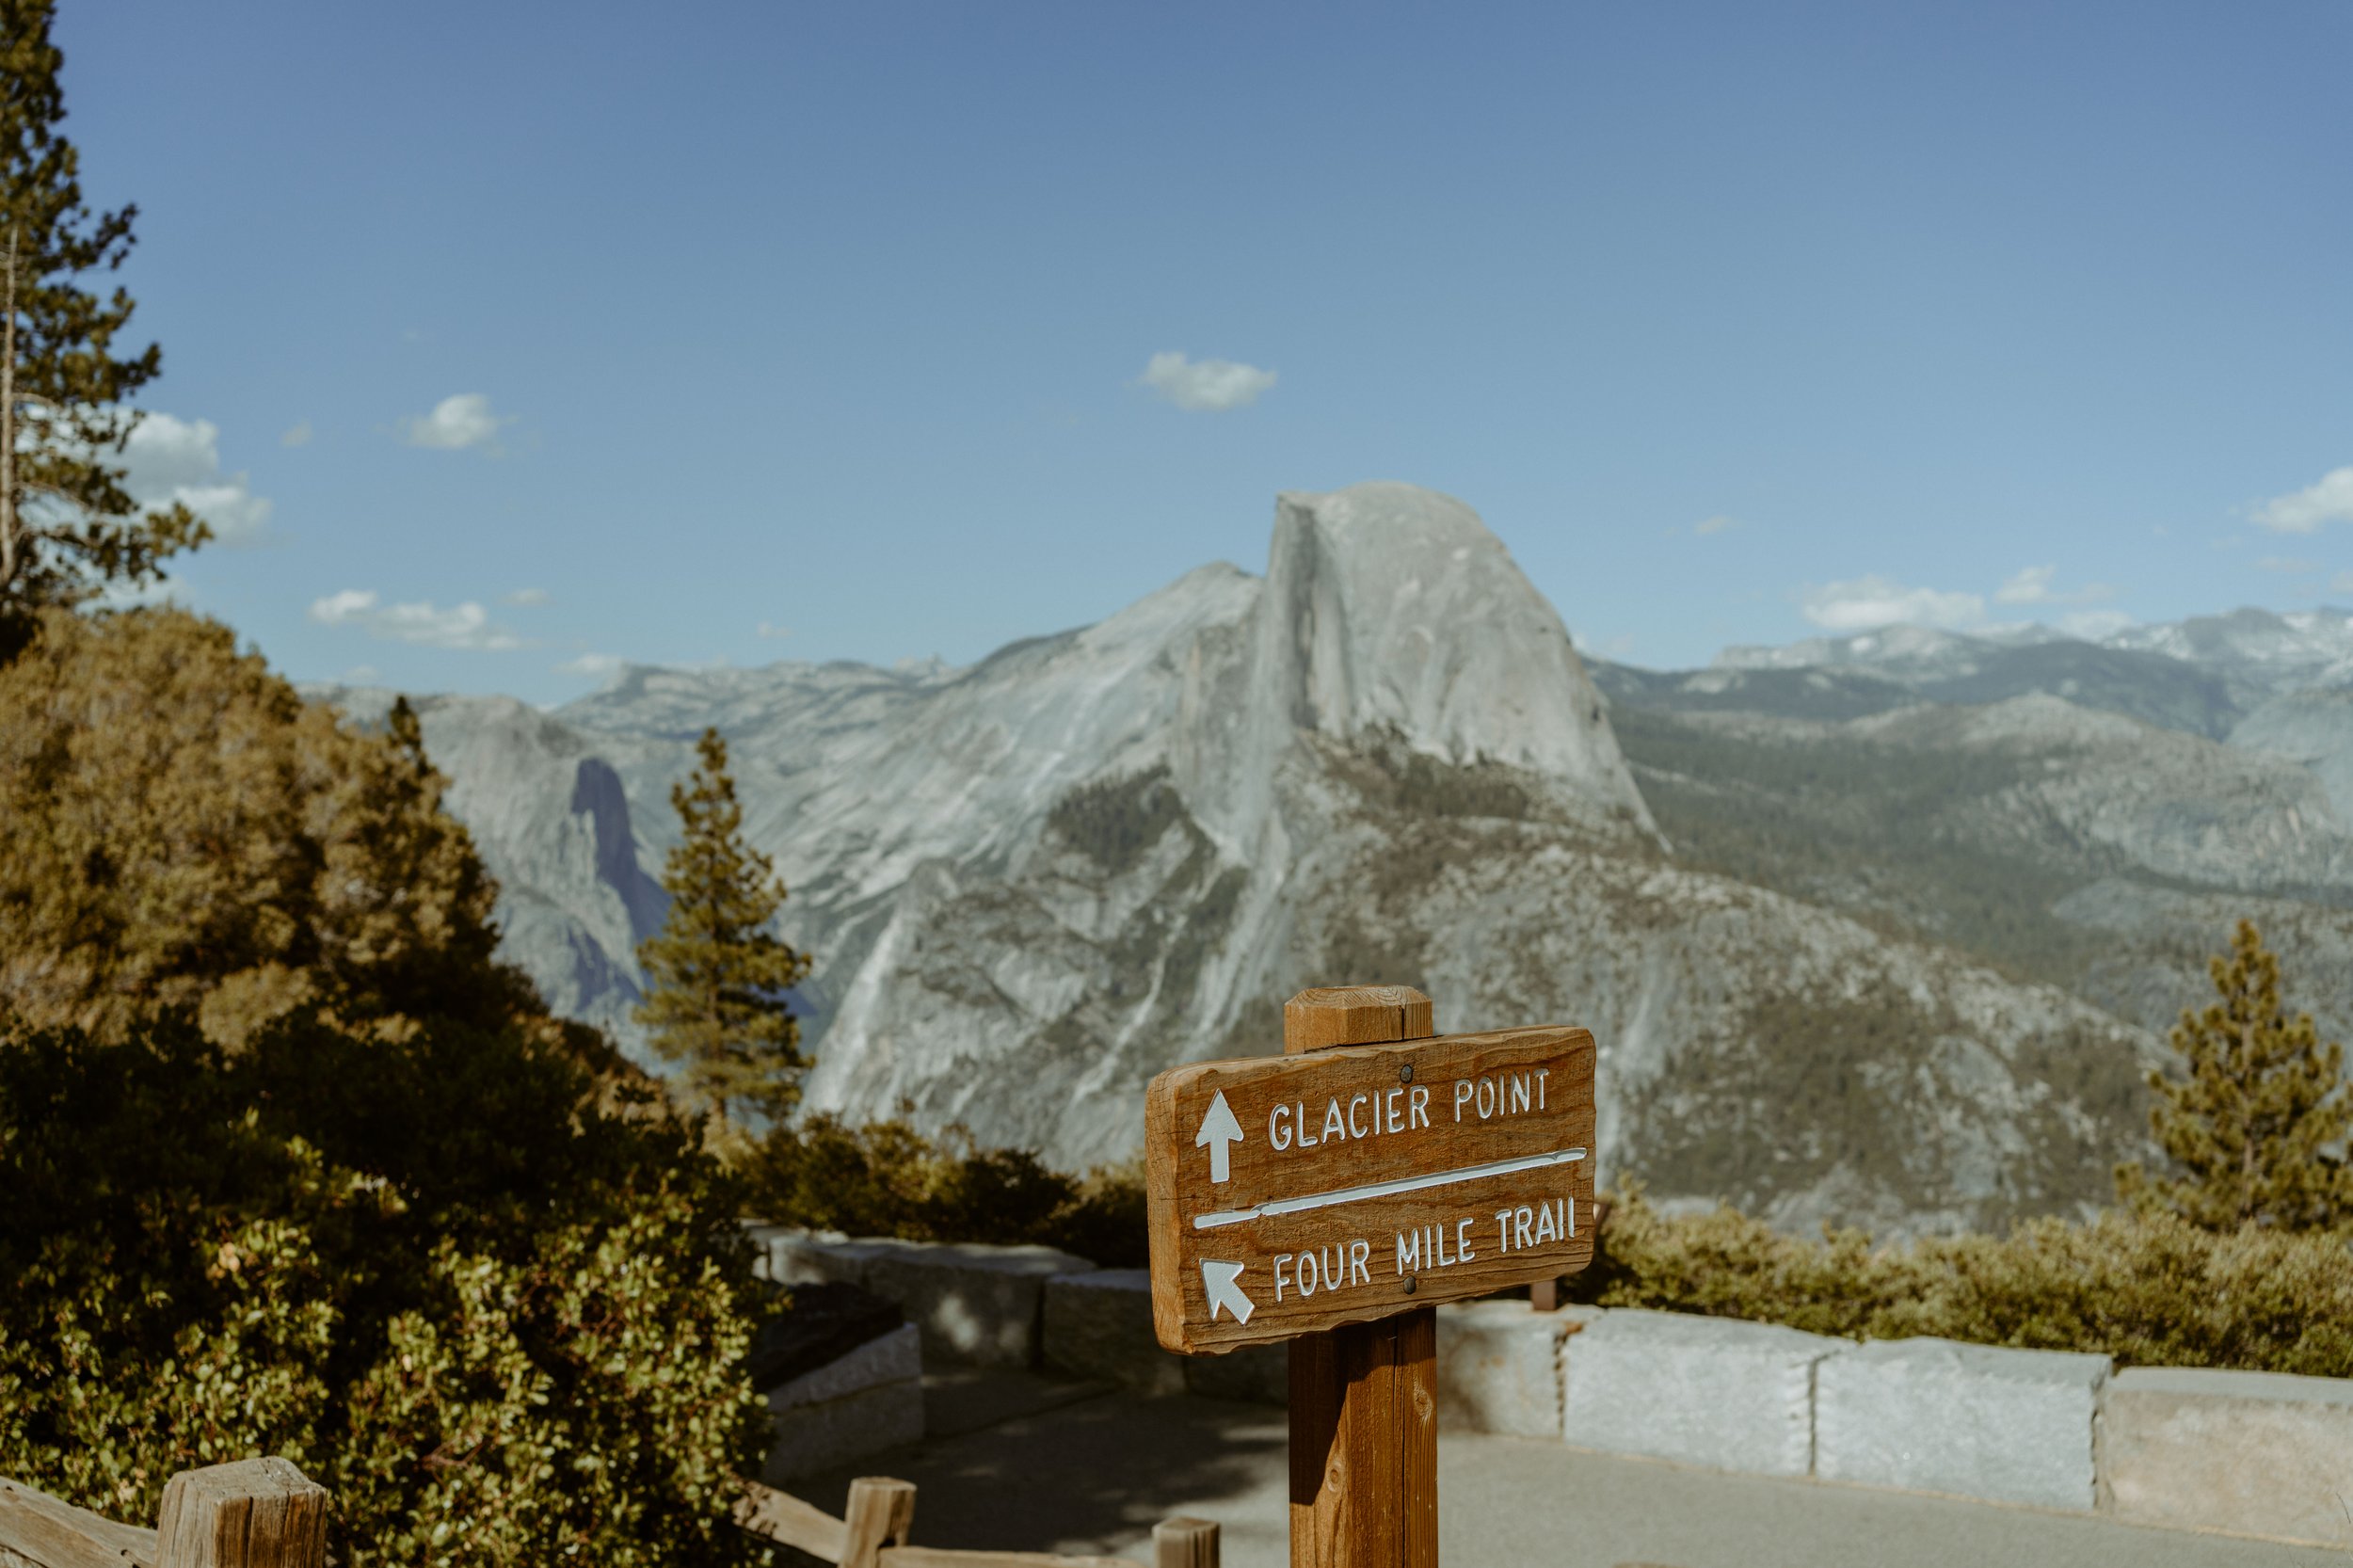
[(1363, 1397), (879, 1514), (255, 1514), (1182, 1542)]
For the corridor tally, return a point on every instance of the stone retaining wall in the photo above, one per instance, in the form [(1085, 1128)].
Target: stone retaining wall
[(975, 1305), (2245, 1452), (860, 1403), (1707, 1391)]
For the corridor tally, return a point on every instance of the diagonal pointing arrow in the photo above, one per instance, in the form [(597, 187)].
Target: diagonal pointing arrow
[(1221, 1133), (1222, 1280)]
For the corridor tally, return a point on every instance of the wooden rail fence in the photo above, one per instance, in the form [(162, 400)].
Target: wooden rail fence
[(873, 1533), (255, 1513), (265, 1514)]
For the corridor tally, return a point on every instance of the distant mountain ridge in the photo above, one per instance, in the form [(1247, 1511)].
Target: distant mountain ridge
[(2092, 815), (1880, 938), (2242, 658), (2258, 680)]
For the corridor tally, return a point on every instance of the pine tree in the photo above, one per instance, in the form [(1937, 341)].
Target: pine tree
[(2258, 1126), (67, 526), (180, 829), (716, 976)]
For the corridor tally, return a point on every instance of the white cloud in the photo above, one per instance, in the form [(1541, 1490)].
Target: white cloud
[(1716, 525), (2327, 500), (598, 665), (456, 425), (464, 626), (139, 596), (1207, 386), (170, 459), (770, 629), (529, 597), (2032, 586), (2094, 625), (298, 436), (1861, 603), (361, 674)]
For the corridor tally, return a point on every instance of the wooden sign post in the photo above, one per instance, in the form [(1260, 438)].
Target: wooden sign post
[(1332, 1197)]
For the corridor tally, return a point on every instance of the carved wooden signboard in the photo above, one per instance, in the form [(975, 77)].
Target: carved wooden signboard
[(1295, 1193)]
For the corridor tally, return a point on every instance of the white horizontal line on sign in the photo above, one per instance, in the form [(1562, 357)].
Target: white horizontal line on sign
[(1384, 1189)]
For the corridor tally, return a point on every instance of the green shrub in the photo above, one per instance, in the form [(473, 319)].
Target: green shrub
[(886, 1178), (2148, 1288), (179, 829), (498, 1319)]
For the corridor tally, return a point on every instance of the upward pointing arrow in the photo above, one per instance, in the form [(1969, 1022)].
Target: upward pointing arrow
[(1221, 1133), (1221, 1281)]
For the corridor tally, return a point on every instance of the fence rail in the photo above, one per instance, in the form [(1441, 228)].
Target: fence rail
[(265, 1514), (255, 1513), (873, 1533)]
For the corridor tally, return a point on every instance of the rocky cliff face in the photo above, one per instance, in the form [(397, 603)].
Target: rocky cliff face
[(1031, 884), (552, 821)]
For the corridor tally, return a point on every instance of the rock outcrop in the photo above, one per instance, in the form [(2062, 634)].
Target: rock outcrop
[(1032, 882)]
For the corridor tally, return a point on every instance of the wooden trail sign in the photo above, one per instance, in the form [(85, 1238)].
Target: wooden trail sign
[(1291, 1194)]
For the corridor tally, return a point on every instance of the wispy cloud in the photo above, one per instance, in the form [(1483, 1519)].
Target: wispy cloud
[(2093, 625), (532, 597), (2328, 499), (1720, 523), (598, 665), (1205, 386), (456, 425), (1861, 603), (771, 629), (466, 626), (170, 459), (298, 436), (2036, 586), (2293, 565)]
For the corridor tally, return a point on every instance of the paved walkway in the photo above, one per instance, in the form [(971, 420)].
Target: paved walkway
[(1015, 1462)]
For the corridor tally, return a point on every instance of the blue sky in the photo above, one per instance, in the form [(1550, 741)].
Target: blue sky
[(739, 332)]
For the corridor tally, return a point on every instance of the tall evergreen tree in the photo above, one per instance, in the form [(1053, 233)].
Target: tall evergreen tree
[(179, 829), (67, 526), (717, 976), (2258, 1126)]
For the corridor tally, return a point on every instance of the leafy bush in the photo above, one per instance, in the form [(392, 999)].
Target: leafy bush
[(886, 1178), (2146, 1288), (498, 1319), (178, 827)]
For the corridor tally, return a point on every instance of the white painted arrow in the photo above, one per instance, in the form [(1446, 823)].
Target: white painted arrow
[(1222, 1280), (1221, 1133)]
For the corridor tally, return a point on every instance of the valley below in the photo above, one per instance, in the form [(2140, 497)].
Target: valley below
[(1881, 931)]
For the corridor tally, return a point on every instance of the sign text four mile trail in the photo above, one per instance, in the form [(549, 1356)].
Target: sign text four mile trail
[(1295, 1193)]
